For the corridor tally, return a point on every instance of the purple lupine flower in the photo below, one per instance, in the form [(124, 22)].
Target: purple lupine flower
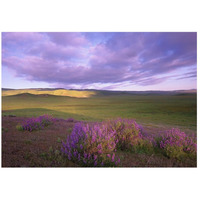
[(85, 155), (99, 151), (75, 154), (69, 157), (37, 123), (95, 157), (95, 163), (79, 157), (113, 157), (99, 146)]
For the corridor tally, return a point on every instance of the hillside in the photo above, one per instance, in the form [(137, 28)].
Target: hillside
[(56, 92), (89, 92)]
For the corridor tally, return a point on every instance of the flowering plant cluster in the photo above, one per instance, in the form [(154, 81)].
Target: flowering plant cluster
[(177, 144), (129, 135), (70, 120), (91, 146), (96, 144), (38, 122)]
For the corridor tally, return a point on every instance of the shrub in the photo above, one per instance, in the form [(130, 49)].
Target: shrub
[(96, 144), (91, 146), (129, 135), (38, 122), (19, 127), (176, 144)]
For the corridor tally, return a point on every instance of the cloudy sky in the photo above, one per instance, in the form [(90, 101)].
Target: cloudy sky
[(109, 61)]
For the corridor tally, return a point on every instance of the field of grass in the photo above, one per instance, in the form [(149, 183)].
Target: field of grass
[(151, 110)]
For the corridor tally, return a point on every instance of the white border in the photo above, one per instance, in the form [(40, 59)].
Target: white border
[(102, 15)]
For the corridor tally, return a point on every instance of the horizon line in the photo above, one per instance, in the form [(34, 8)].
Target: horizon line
[(103, 89)]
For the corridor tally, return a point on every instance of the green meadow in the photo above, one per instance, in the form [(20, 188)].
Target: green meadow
[(148, 109)]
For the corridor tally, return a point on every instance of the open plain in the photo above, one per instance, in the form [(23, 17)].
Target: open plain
[(155, 112)]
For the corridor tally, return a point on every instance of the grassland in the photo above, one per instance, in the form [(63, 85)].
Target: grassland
[(151, 110), (41, 148)]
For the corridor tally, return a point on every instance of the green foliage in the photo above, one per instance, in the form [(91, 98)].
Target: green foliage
[(54, 157), (143, 146), (4, 130), (69, 130), (175, 152), (50, 149), (44, 155), (27, 156), (58, 140), (19, 127)]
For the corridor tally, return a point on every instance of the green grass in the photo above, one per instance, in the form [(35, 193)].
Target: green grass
[(168, 110)]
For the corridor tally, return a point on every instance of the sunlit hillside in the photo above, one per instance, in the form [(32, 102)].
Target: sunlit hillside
[(57, 92)]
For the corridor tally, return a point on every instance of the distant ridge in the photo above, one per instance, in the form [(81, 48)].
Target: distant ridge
[(34, 89), (41, 89), (7, 89), (55, 92), (85, 93)]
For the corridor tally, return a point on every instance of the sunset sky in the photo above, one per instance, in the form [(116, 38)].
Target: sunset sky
[(109, 61)]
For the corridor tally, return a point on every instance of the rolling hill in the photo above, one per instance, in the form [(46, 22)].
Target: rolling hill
[(89, 92), (56, 92)]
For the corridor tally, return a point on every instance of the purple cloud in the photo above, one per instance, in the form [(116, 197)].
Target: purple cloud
[(107, 58), (21, 37), (69, 39)]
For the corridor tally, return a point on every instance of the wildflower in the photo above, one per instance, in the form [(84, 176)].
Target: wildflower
[(75, 153), (69, 157), (95, 157), (85, 155), (95, 163), (100, 152), (118, 161), (79, 157), (113, 157)]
